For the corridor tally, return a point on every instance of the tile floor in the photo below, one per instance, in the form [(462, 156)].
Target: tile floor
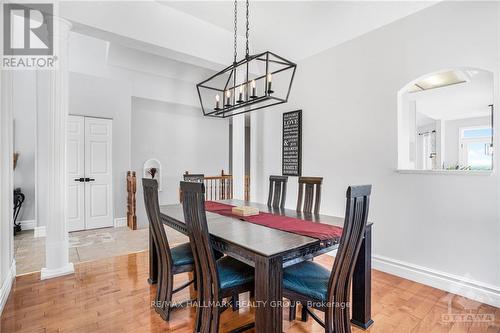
[(87, 245)]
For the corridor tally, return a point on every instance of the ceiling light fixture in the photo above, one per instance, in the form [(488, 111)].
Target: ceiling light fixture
[(255, 82), (438, 80)]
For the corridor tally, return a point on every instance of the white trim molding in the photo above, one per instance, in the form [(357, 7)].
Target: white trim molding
[(39, 232), (7, 285), (459, 285), (47, 273), (120, 222), (447, 172), (28, 224)]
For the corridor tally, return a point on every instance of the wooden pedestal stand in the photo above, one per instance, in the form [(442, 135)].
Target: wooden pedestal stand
[(131, 204)]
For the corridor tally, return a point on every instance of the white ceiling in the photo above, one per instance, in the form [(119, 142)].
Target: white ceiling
[(459, 101), (299, 29)]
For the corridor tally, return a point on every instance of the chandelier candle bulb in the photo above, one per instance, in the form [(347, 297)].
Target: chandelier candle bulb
[(217, 104), (228, 98), (240, 99), (269, 83), (254, 95)]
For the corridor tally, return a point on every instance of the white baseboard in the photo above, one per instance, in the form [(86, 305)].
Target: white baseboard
[(120, 222), (28, 224), (47, 273), (39, 232), (7, 285), (478, 291)]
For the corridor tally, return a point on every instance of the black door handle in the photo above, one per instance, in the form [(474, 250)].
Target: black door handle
[(89, 179), (79, 180)]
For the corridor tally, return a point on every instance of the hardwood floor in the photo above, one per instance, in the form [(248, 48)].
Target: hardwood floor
[(112, 295)]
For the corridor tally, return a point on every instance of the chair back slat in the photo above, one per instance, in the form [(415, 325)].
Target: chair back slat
[(309, 198), (199, 237), (358, 200), (150, 191), (277, 191), (194, 177)]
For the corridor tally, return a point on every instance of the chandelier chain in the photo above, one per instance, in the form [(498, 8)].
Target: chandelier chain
[(235, 30), (248, 30)]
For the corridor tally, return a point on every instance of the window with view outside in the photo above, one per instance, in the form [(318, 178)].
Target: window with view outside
[(476, 148)]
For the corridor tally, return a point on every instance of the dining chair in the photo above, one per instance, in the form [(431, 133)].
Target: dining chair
[(329, 291), (309, 198), (191, 177), (171, 261), (277, 191), (218, 279)]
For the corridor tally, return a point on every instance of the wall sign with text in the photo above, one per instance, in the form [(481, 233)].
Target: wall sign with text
[(292, 143)]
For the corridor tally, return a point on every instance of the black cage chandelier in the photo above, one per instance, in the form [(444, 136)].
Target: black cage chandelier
[(255, 82)]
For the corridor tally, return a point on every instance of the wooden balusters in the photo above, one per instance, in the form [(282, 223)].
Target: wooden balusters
[(217, 187)]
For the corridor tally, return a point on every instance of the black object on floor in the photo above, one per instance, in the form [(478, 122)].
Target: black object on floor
[(18, 202)]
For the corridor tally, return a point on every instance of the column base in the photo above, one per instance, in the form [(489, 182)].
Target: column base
[(49, 273)]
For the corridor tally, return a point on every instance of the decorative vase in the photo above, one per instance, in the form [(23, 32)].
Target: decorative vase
[(152, 172)]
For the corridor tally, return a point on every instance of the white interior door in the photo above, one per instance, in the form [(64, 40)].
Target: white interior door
[(98, 173), (89, 156), (76, 173)]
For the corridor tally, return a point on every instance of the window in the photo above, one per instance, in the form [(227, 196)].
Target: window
[(476, 148)]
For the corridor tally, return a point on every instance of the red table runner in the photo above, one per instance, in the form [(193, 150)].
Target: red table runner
[(290, 224)]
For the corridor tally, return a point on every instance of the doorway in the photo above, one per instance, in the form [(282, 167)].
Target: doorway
[(89, 155)]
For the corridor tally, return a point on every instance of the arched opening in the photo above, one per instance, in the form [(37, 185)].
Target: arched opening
[(445, 121)]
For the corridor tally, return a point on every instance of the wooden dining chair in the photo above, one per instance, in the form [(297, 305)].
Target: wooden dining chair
[(277, 191), (309, 198), (329, 291), (191, 177), (171, 261), (217, 279)]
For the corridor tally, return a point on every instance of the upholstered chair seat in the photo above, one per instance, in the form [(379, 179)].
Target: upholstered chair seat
[(307, 278), (233, 273), (182, 255)]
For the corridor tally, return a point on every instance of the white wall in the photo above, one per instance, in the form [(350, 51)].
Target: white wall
[(181, 139), (447, 225), (24, 108), (99, 97)]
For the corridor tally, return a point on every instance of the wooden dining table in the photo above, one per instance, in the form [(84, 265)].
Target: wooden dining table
[(269, 250)]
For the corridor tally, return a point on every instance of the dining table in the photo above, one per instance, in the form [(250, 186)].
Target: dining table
[(270, 250)]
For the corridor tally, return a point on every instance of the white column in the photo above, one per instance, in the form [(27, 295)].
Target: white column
[(239, 157), (7, 262), (56, 245), (256, 144)]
